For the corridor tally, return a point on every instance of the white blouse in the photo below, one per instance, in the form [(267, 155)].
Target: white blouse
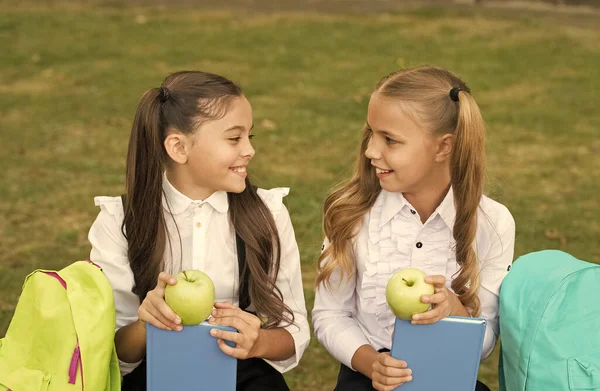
[(392, 237), (207, 244)]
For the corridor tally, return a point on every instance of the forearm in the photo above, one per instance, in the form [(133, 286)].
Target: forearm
[(363, 359), (275, 344), (130, 342)]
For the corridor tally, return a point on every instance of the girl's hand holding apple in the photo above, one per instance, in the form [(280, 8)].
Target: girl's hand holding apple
[(247, 339), (443, 303), (154, 309)]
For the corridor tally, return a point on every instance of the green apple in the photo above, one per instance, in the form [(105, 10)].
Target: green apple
[(192, 297), (404, 290)]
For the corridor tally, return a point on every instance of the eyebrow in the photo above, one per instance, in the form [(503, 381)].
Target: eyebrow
[(237, 127), (384, 132)]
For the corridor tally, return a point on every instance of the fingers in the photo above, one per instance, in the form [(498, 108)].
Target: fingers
[(436, 280), (224, 304), (247, 325), (436, 298), (155, 304), (160, 322), (439, 302), (227, 335), (227, 310), (231, 321), (389, 373), (165, 279), (231, 351), (389, 387), (244, 343), (385, 359), (431, 316)]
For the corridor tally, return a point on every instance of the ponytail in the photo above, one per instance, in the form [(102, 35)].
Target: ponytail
[(467, 172), (144, 222)]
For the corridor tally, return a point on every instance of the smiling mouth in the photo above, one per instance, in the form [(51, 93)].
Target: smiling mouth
[(380, 171), (238, 169)]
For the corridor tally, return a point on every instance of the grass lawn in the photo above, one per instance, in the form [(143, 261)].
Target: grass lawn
[(70, 77)]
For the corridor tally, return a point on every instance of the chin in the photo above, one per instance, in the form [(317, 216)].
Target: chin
[(391, 188), (236, 188)]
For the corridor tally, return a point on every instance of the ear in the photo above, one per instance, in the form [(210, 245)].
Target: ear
[(444, 147), (175, 144)]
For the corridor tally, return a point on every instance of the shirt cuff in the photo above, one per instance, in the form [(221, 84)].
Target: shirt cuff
[(347, 343), (128, 367)]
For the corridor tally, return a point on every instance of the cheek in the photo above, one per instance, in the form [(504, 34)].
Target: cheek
[(219, 156), (399, 158)]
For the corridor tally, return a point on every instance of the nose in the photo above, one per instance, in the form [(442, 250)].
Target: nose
[(372, 152), (248, 150)]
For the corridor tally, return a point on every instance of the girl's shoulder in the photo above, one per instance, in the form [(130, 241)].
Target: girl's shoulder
[(273, 198), (110, 205), (495, 213)]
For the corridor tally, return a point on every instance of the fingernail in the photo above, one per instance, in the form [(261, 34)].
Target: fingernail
[(178, 320), (214, 313), (179, 328), (213, 332), (172, 281), (410, 378)]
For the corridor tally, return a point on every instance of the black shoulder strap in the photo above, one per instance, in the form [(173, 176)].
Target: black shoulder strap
[(244, 277)]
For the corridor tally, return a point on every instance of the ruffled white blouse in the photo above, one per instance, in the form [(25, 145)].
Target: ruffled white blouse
[(392, 237)]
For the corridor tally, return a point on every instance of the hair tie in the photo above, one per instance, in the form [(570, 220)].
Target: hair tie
[(164, 94), (454, 93)]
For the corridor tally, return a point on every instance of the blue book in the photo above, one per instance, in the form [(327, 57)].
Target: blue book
[(442, 356), (188, 360)]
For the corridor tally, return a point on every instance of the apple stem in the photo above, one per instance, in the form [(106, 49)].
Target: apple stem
[(185, 274), (407, 283)]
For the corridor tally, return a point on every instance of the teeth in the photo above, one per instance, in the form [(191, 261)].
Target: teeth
[(239, 169), (380, 171)]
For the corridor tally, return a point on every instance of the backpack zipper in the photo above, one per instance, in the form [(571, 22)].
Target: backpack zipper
[(76, 357)]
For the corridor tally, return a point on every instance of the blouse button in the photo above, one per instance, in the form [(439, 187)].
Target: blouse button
[(198, 224), (413, 211), (419, 244)]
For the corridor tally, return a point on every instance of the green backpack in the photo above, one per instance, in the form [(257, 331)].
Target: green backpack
[(550, 324), (61, 336)]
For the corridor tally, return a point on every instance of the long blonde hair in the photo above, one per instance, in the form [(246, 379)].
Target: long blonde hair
[(427, 90)]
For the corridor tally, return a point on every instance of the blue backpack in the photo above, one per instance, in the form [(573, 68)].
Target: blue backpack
[(550, 324)]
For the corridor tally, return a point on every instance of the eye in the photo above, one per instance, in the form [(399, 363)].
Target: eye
[(235, 139), (389, 141), (251, 136)]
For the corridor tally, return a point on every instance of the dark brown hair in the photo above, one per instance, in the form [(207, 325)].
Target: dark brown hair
[(184, 101), (426, 90)]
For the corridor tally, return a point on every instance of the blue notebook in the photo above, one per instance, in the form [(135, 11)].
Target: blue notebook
[(442, 356), (189, 360)]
